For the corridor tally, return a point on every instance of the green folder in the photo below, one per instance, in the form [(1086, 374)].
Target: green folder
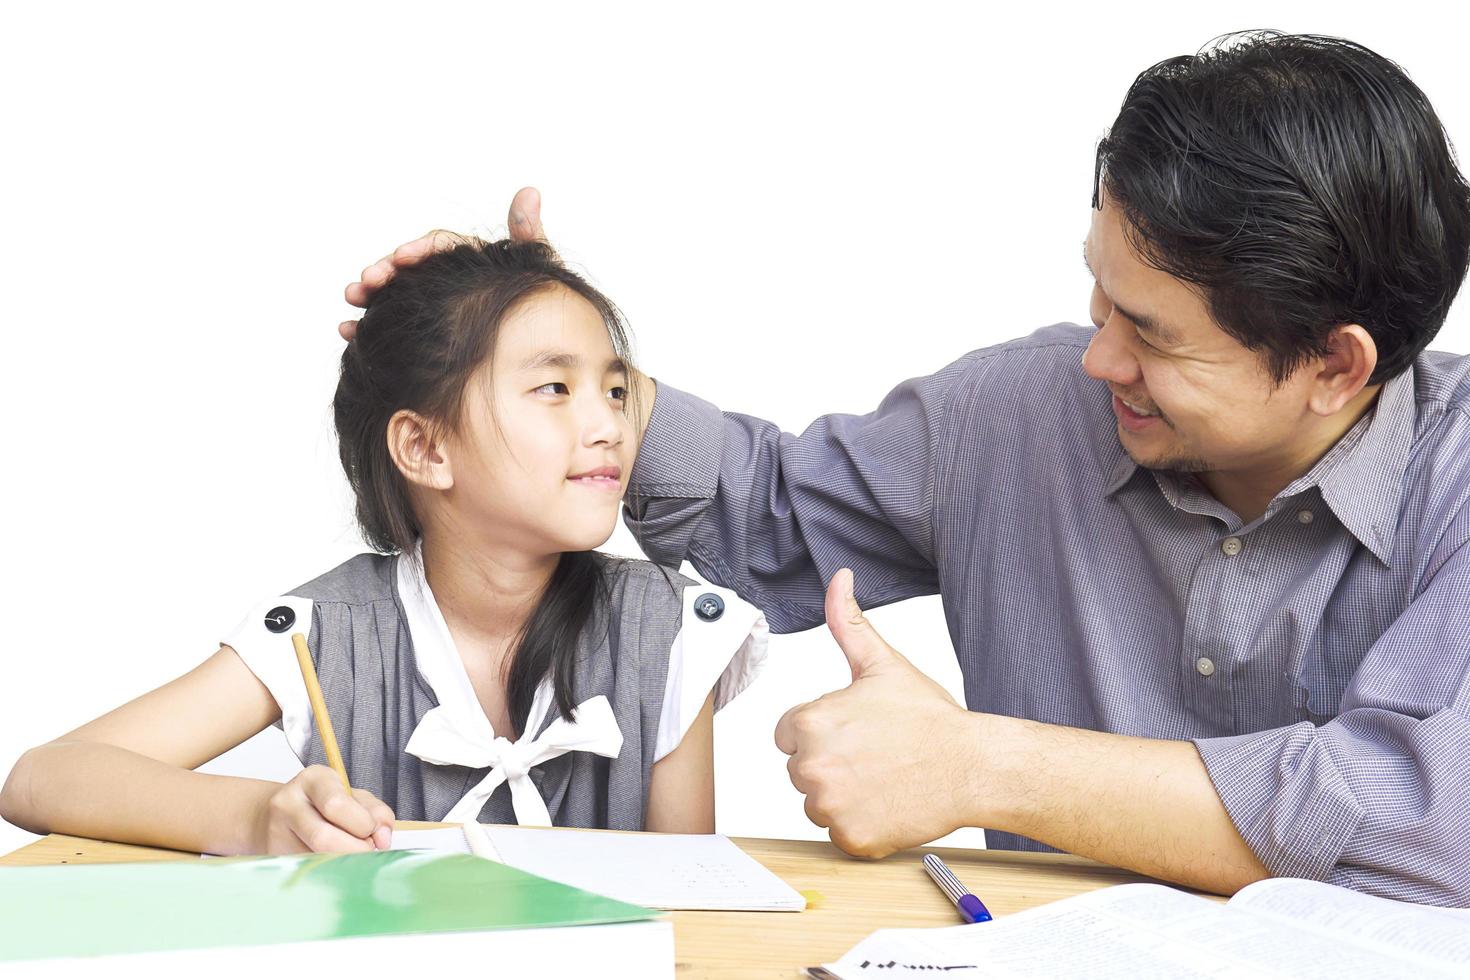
[(89, 910)]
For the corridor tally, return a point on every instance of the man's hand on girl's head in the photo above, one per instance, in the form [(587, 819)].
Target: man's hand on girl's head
[(523, 221)]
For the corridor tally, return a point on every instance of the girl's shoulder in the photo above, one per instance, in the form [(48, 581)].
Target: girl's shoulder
[(673, 609), (690, 639), (634, 581), (361, 579), (678, 596)]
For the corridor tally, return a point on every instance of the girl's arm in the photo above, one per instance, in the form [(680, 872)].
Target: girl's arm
[(127, 777), (681, 787)]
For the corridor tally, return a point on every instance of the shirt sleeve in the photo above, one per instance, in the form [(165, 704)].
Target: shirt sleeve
[(720, 647), (271, 656), (774, 515), (1376, 799)]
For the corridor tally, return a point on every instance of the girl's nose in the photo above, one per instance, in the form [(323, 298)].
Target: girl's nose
[(603, 424)]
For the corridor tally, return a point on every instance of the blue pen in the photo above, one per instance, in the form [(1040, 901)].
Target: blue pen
[(971, 908)]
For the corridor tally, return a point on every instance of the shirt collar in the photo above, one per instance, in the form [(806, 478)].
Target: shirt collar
[(1364, 485), (1360, 477), (1122, 471)]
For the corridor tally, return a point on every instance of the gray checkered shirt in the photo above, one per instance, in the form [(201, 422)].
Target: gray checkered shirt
[(1318, 657)]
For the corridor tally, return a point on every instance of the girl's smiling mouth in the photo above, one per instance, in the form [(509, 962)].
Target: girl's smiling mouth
[(602, 478)]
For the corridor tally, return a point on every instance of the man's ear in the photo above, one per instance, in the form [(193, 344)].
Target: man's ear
[(1351, 359), (418, 451)]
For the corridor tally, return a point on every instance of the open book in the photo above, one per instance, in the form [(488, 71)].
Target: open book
[(1280, 927)]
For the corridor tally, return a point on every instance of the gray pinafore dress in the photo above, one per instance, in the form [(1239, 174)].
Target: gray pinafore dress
[(376, 694)]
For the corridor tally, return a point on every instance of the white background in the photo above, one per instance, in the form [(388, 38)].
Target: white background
[(797, 206)]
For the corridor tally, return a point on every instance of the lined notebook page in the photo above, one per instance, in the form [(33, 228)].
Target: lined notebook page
[(658, 871), (439, 839)]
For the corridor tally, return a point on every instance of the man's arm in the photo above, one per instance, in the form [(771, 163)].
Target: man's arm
[(1139, 803), (893, 761), (774, 515), (1377, 799)]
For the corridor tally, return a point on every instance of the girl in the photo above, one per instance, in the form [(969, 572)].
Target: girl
[(483, 663)]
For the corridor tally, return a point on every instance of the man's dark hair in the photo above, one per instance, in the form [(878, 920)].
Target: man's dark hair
[(1303, 183), (422, 338)]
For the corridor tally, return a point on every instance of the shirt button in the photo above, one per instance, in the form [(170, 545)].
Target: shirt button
[(709, 607), (1231, 546), (1304, 516), (1205, 666), (280, 619)]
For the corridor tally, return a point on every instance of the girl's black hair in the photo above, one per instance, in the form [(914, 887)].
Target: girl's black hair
[(1302, 182), (417, 346)]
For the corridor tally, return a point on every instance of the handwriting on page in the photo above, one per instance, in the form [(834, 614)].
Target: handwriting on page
[(921, 967)]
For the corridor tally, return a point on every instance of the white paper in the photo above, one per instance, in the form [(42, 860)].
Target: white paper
[(622, 950), (657, 871), (1130, 932)]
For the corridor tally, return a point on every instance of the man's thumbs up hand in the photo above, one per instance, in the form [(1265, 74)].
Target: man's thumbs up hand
[(867, 653), (889, 761)]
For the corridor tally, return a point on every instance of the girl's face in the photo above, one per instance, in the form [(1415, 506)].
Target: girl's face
[(544, 446)]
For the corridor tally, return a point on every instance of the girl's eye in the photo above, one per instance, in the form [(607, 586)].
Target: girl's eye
[(618, 393), (554, 388)]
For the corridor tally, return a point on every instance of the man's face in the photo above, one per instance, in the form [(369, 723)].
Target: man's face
[(1188, 396)]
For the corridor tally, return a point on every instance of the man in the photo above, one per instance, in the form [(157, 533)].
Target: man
[(1206, 566)]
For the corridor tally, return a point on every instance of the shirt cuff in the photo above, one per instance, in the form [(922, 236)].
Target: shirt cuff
[(680, 452), (1286, 796), (724, 655), (271, 657)]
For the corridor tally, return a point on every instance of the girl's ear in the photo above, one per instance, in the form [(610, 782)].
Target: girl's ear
[(417, 452)]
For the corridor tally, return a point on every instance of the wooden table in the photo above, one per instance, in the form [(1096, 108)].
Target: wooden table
[(856, 897)]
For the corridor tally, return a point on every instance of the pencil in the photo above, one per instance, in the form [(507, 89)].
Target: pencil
[(479, 842), (319, 708)]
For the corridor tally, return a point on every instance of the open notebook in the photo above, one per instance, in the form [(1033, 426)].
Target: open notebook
[(658, 871), (1280, 927)]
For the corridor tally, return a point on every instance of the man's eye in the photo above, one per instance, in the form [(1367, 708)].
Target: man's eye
[(553, 388)]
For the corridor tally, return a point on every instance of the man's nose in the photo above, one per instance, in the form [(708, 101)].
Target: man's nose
[(1108, 357)]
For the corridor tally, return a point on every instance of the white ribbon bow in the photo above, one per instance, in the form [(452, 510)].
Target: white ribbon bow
[(438, 740)]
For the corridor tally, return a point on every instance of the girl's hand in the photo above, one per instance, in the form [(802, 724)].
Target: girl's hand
[(524, 223), (313, 812)]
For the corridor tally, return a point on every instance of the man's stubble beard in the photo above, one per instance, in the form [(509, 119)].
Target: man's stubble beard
[(1175, 462)]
